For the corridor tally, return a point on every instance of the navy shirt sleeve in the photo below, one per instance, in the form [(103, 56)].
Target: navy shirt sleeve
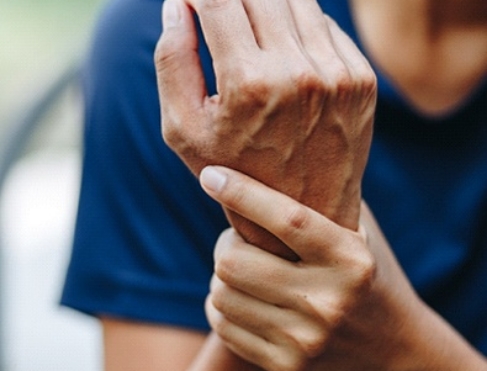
[(145, 230)]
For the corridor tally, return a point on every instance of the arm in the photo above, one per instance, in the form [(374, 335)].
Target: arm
[(302, 126), (346, 305), (132, 346), (294, 108)]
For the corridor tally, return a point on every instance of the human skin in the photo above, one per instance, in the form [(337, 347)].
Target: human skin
[(345, 305), (294, 105), (294, 109), (434, 51), (315, 94), (191, 142)]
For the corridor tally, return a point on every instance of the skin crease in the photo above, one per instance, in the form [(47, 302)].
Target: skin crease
[(287, 121), (346, 305), (361, 296)]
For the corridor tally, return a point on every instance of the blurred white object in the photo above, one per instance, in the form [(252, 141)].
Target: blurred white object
[(37, 212)]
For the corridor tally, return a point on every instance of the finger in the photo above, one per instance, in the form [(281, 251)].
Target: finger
[(244, 343), (255, 315), (180, 78), (229, 238), (225, 238), (278, 325), (316, 38), (272, 23), (245, 267), (249, 277), (311, 26), (309, 234), (353, 58), (227, 31)]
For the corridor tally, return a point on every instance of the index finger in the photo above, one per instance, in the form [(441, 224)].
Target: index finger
[(309, 234)]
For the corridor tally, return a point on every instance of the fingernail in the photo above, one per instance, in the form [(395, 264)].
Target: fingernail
[(213, 179), (171, 15)]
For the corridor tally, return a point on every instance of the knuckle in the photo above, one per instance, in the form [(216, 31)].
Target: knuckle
[(224, 239), (360, 85), (308, 82), (250, 89), (365, 270), (176, 135), (342, 81), (336, 316), (337, 312), (311, 342), (294, 219), (369, 81), (167, 50), (361, 265), (366, 85), (218, 297), (333, 314), (225, 266), (170, 132), (243, 91), (161, 51)]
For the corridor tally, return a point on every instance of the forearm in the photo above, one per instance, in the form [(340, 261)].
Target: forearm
[(377, 322), (442, 349), (215, 356), (129, 345), (426, 342), (433, 345), (298, 127)]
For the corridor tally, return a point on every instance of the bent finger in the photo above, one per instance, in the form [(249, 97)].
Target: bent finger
[(257, 316), (278, 325), (312, 29), (245, 344), (179, 75), (356, 62), (309, 234), (245, 267)]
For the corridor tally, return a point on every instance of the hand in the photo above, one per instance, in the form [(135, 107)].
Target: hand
[(294, 107), (345, 305)]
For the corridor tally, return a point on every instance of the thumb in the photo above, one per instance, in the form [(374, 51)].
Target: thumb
[(180, 78)]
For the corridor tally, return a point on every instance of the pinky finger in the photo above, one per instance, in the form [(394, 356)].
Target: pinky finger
[(243, 343)]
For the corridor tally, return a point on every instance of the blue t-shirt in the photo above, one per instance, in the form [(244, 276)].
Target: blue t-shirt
[(145, 230)]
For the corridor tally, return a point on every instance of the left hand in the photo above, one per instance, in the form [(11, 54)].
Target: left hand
[(294, 107), (345, 305)]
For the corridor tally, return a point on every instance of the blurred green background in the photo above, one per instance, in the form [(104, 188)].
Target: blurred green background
[(38, 39)]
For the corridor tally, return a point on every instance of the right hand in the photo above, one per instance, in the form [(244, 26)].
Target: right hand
[(345, 305), (294, 107)]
